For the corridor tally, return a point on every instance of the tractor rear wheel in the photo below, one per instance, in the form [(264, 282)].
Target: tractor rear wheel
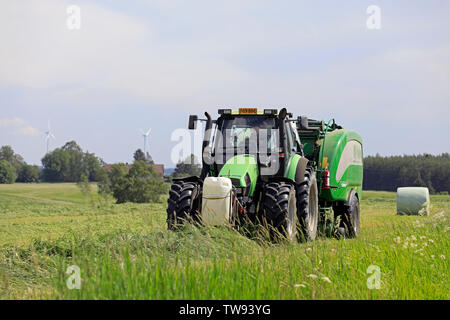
[(183, 204), (349, 216), (279, 210), (308, 205)]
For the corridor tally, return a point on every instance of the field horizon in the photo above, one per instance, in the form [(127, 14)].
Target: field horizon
[(126, 252)]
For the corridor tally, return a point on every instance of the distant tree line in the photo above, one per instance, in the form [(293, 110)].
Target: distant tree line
[(126, 183), (66, 164), (140, 156), (389, 173), (70, 164), (138, 183), (13, 168)]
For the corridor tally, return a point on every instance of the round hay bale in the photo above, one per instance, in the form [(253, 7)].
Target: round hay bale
[(413, 201)]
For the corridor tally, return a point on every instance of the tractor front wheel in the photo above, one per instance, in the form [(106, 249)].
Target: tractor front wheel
[(279, 210), (308, 205), (183, 204)]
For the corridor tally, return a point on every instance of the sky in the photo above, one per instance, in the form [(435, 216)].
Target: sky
[(141, 64)]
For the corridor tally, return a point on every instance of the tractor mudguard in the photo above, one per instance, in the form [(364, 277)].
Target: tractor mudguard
[(189, 179), (296, 168), (282, 179)]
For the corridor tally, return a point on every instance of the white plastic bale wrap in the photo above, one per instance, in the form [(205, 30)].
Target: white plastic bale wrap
[(413, 201), (216, 201)]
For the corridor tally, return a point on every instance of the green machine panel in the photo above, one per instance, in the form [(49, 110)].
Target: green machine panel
[(342, 155), (243, 168)]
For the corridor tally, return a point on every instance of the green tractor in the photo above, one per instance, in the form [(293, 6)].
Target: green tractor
[(297, 176)]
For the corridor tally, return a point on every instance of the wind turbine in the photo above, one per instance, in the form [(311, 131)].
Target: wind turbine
[(49, 135), (145, 135)]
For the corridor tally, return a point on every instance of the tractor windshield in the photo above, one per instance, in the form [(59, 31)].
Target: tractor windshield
[(250, 134)]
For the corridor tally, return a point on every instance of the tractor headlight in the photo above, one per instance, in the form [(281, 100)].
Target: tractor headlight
[(269, 112), (224, 111)]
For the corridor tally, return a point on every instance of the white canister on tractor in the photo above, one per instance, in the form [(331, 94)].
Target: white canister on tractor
[(216, 201)]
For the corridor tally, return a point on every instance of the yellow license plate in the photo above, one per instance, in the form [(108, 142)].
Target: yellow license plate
[(248, 111)]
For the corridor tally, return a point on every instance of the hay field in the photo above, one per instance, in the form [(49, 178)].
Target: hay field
[(125, 252)]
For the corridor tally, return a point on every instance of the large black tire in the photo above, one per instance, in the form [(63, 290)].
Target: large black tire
[(308, 206), (183, 204), (349, 216), (278, 210)]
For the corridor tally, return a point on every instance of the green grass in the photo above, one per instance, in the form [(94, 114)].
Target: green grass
[(125, 252)]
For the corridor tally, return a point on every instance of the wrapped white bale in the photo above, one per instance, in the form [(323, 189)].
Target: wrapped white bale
[(413, 201)]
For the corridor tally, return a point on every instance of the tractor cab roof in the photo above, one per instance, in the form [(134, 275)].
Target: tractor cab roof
[(250, 112)]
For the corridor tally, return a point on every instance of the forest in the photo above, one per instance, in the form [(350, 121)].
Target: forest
[(389, 173)]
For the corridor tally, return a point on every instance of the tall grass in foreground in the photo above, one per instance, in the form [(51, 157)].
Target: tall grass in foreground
[(221, 264), (125, 252)]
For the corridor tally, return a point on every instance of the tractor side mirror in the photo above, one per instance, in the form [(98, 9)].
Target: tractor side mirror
[(193, 122)]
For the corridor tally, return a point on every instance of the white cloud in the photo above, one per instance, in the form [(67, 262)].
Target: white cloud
[(112, 52), (19, 126), (197, 54)]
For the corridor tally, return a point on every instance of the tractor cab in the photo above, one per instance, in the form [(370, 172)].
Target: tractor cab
[(262, 134), (247, 135)]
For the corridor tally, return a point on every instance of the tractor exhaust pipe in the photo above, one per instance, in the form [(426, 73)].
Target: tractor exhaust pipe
[(207, 137), (284, 148)]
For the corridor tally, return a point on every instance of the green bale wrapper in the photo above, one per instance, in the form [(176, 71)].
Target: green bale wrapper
[(413, 201)]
